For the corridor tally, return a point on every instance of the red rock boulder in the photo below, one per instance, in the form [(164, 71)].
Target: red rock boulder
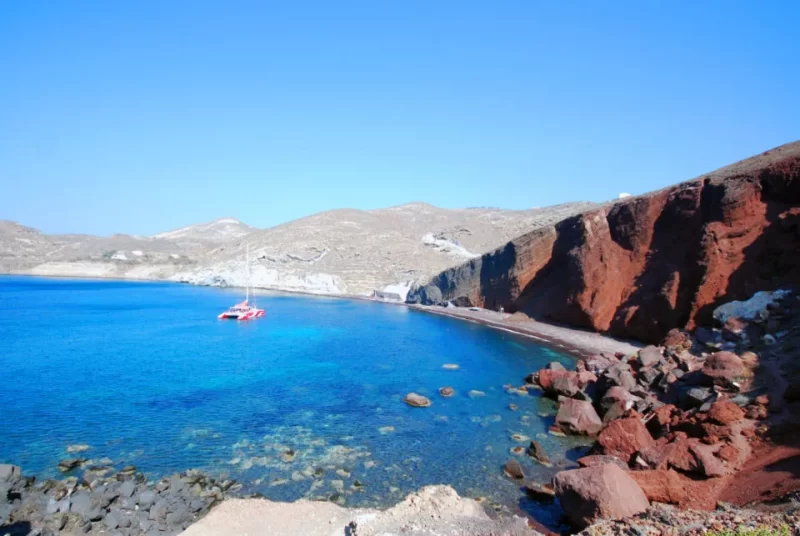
[(725, 412), (594, 493), (624, 437), (725, 366)]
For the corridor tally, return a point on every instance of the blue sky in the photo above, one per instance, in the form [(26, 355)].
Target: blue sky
[(139, 117)]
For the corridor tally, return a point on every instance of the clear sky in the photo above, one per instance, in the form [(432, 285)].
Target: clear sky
[(141, 116)]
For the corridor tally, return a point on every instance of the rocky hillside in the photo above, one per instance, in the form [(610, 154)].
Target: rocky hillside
[(335, 252), (643, 265)]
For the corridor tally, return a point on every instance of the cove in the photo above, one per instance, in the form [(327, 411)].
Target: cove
[(306, 402)]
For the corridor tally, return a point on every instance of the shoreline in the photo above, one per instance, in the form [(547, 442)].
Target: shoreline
[(574, 341)]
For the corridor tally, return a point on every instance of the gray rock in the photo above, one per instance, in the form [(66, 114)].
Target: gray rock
[(112, 519), (197, 505), (159, 511), (648, 376), (696, 396), (9, 473), (649, 356), (70, 463), (6, 510), (146, 499), (180, 516), (176, 484), (83, 504), (127, 489), (55, 507)]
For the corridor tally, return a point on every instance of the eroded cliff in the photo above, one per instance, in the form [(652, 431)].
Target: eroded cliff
[(644, 265)]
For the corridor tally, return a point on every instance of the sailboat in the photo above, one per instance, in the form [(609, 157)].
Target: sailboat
[(244, 310)]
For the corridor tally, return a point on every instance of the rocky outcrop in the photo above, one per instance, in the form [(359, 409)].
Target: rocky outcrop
[(644, 265)]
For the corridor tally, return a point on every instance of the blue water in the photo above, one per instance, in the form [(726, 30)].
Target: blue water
[(146, 375)]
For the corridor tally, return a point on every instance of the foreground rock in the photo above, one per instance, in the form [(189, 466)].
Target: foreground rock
[(601, 492), (123, 504), (434, 510)]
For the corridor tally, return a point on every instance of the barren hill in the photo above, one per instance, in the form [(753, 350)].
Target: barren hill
[(335, 252)]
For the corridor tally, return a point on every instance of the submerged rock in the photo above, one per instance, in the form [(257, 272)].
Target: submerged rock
[(513, 469), (450, 366), (536, 451), (417, 401), (446, 391)]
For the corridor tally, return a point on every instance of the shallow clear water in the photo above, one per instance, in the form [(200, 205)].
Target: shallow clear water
[(146, 374)]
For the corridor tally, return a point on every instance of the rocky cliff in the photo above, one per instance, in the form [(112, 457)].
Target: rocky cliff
[(643, 265)]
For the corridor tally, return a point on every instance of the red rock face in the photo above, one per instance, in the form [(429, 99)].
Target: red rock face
[(645, 265)]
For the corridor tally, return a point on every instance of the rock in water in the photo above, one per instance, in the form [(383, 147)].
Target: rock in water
[(417, 401), (450, 366), (513, 469), (536, 451), (578, 417), (602, 492), (446, 392), (70, 464)]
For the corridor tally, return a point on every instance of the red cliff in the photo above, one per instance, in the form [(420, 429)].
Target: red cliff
[(644, 265)]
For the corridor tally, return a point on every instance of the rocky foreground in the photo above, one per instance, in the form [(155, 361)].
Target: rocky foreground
[(678, 424)]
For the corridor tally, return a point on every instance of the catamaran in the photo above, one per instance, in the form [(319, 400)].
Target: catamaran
[(244, 310)]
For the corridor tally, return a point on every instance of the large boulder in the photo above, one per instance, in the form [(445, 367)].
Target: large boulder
[(624, 437), (578, 417), (9, 474), (669, 487), (602, 492)]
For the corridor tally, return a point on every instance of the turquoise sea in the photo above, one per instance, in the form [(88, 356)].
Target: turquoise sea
[(145, 374)]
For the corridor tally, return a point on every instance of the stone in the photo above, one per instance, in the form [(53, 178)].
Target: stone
[(537, 452), (450, 366), (70, 463), (617, 395), (179, 516), (724, 365), (9, 473), (649, 376), (669, 487), (578, 417), (619, 374), (676, 340), (592, 494), (624, 437), (72, 449), (474, 393), (416, 401), (725, 412), (446, 391), (127, 489), (112, 519), (83, 504), (597, 364), (649, 356), (146, 499), (695, 397), (513, 469), (594, 460), (540, 492)]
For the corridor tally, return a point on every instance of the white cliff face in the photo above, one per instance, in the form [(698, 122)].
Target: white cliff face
[(346, 251)]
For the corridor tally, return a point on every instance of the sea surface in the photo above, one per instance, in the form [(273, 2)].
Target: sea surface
[(145, 374)]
